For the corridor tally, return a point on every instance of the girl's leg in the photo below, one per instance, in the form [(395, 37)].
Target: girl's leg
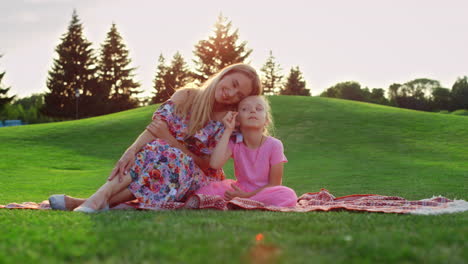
[(277, 196), (216, 188), (101, 197)]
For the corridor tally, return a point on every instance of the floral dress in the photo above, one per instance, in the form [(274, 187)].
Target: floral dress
[(166, 174)]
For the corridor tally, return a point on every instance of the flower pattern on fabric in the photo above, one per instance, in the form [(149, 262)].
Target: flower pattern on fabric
[(164, 174)]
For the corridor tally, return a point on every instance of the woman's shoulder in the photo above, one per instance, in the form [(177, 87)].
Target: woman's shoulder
[(180, 96)]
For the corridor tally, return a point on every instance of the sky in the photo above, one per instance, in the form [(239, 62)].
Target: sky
[(373, 42)]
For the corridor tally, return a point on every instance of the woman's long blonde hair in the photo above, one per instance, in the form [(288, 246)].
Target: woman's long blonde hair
[(200, 105)]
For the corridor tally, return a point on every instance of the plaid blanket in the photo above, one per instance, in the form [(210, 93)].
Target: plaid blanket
[(308, 202)]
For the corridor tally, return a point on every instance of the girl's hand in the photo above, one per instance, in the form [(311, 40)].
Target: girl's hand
[(160, 129), (123, 165), (237, 192), (229, 120)]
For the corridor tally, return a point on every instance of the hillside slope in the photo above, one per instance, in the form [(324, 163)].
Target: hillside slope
[(344, 146)]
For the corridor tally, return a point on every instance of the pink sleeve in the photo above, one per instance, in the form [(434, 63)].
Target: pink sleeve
[(277, 153)]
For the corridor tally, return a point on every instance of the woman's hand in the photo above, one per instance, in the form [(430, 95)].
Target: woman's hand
[(160, 129), (229, 120), (123, 165), (237, 192)]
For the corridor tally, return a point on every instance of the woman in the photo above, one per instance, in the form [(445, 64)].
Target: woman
[(169, 161)]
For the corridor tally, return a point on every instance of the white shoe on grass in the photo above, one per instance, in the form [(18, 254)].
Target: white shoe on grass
[(57, 202), (85, 209)]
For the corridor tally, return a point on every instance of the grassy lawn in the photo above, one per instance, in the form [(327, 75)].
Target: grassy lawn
[(346, 147)]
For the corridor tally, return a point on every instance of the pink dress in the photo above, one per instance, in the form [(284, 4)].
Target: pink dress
[(252, 169)]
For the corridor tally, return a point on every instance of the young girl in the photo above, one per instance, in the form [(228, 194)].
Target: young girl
[(258, 158)]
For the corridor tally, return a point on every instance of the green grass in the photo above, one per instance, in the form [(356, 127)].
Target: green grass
[(344, 146)]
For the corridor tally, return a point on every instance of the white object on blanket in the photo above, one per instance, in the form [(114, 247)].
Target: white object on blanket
[(456, 206)]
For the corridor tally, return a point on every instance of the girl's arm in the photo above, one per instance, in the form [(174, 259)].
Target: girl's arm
[(275, 179), (221, 152)]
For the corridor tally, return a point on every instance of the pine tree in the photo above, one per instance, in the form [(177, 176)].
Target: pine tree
[(295, 85), (220, 50), (178, 74), (116, 76), (271, 80), (73, 71), (4, 99), (158, 82), (170, 78)]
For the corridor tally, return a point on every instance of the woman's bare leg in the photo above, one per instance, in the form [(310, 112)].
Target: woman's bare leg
[(102, 196), (123, 196), (72, 202)]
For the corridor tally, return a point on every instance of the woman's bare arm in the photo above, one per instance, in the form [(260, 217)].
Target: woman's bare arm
[(128, 158), (156, 129), (144, 138), (159, 129)]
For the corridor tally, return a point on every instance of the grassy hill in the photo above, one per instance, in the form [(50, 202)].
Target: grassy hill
[(347, 147)]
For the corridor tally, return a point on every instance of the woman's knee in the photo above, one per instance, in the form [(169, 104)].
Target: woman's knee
[(121, 180)]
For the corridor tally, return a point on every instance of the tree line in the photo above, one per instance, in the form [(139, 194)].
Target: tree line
[(419, 94), (221, 49), (85, 82)]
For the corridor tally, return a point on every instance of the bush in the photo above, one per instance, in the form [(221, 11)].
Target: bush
[(27, 110), (463, 112)]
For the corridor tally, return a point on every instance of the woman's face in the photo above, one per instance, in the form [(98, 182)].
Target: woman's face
[(233, 88)]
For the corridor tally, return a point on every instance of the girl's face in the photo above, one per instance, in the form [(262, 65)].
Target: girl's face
[(232, 88), (252, 113)]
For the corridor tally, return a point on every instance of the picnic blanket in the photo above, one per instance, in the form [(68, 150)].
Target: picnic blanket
[(308, 202)]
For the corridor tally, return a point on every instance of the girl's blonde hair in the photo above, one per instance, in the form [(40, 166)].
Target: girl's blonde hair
[(200, 105)]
